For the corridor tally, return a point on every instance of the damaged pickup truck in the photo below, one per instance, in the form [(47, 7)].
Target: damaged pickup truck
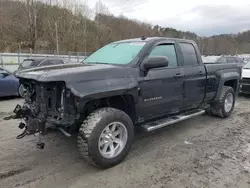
[(146, 82)]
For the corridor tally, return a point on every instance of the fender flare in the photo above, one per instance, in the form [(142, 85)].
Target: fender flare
[(224, 78)]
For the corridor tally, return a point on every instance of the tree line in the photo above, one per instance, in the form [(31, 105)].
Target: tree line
[(31, 24)]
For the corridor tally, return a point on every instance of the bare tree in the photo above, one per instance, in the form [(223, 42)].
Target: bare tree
[(32, 19)]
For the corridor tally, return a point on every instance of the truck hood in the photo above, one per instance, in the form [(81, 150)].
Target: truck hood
[(67, 73), (85, 79), (48, 67)]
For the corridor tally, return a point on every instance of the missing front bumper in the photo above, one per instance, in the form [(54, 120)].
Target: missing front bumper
[(31, 125)]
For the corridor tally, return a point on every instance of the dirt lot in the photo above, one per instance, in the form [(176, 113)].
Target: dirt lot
[(200, 152)]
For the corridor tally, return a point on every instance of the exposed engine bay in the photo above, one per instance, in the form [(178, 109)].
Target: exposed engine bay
[(46, 105)]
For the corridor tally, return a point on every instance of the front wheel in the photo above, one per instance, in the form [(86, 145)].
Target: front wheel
[(105, 137), (21, 90), (225, 105)]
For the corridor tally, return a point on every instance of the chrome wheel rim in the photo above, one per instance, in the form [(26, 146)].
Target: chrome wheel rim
[(22, 90), (228, 102), (112, 140)]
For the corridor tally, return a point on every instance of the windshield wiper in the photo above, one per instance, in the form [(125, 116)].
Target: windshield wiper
[(98, 63)]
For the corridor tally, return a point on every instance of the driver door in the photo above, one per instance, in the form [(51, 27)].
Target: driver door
[(162, 88)]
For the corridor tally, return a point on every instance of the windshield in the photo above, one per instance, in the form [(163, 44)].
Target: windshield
[(116, 53), (31, 63), (27, 63), (247, 66), (4, 71)]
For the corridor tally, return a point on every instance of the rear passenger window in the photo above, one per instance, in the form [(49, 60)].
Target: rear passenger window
[(189, 54), (167, 50)]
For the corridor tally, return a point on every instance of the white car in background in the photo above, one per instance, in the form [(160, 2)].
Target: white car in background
[(245, 79)]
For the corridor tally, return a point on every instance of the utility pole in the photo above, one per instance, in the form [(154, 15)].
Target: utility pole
[(85, 27), (19, 52), (19, 47), (98, 4), (57, 43)]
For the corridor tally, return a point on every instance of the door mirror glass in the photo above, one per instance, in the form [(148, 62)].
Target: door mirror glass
[(156, 62), (4, 73)]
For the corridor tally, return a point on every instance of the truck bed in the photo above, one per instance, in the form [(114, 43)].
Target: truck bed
[(213, 67), (214, 73)]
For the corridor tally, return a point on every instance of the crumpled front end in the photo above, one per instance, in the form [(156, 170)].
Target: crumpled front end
[(46, 105)]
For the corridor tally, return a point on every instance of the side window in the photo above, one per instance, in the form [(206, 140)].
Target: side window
[(231, 60), (189, 54), (3, 73), (167, 50), (222, 60), (56, 62), (45, 63), (239, 60)]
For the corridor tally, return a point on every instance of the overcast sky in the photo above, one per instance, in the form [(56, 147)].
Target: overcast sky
[(205, 17)]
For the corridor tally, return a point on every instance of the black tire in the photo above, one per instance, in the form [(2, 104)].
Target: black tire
[(218, 108), (90, 131)]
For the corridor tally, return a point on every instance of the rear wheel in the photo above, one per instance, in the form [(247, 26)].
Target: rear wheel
[(224, 107), (105, 137)]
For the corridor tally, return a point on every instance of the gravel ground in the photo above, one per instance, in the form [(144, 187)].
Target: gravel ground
[(201, 152)]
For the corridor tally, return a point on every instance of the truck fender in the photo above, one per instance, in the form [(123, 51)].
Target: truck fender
[(224, 78), (97, 89)]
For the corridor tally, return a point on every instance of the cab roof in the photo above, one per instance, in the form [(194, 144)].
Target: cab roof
[(148, 39)]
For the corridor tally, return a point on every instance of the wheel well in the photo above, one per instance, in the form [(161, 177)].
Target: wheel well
[(232, 83), (122, 102)]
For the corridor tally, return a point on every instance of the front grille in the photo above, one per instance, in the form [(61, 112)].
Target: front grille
[(48, 98), (55, 103)]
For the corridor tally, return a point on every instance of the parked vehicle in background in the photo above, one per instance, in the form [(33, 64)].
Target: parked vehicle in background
[(246, 59), (9, 84), (32, 63), (146, 82), (210, 59), (230, 59), (223, 59), (245, 79)]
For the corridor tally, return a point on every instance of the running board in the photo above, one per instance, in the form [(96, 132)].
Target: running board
[(170, 120)]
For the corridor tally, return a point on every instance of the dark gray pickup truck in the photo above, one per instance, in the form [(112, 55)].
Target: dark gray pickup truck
[(146, 82)]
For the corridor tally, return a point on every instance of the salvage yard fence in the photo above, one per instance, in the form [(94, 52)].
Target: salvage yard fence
[(11, 61)]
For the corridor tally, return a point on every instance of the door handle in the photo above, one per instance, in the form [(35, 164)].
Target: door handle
[(200, 73), (178, 75)]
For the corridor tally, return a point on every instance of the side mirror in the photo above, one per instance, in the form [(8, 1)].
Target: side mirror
[(4, 74), (156, 62)]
